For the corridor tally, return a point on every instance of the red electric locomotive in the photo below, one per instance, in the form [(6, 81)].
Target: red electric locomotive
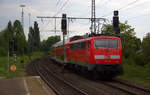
[(101, 55)]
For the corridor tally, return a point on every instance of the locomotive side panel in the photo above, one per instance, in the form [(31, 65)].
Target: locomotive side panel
[(77, 53)]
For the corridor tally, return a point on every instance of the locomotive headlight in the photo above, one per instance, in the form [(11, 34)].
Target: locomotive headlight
[(99, 56), (115, 56)]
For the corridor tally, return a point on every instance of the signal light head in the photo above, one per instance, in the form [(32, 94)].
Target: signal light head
[(63, 15), (64, 24), (116, 19), (116, 22)]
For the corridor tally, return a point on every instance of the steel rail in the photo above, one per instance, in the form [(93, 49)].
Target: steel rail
[(126, 88), (120, 88), (132, 85), (47, 82), (45, 70), (69, 84)]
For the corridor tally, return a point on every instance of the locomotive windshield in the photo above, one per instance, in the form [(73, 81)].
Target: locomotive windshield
[(106, 43)]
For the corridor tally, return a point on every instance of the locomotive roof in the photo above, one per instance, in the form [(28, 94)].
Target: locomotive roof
[(89, 38), (60, 43)]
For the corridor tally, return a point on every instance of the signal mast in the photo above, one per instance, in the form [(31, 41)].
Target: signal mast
[(116, 23)]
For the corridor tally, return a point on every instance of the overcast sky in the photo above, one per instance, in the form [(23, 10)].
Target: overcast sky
[(136, 12)]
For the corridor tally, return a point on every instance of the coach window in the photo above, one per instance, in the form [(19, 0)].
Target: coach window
[(83, 45), (75, 46), (71, 46), (78, 45)]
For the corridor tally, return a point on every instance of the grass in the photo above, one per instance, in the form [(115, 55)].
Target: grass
[(137, 74), (18, 72), (3, 64)]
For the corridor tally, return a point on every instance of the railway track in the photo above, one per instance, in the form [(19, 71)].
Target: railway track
[(128, 87), (60, 86), (78, 85), (133, 85)]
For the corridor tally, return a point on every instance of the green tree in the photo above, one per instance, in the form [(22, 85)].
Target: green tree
[(36, 36), (6, 39), (146, 49), (10, 37), (108, 29), (13, 37), (47, 44), (31, 40), (3, 42), (19, 38)]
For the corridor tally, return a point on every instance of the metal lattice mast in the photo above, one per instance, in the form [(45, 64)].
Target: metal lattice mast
[(22, 16), (29, 18), (93, 16)]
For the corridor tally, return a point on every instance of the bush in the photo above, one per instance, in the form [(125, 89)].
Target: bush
[(140, 59), (3, 51)]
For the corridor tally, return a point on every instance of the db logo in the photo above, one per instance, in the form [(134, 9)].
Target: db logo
[(13, 68)]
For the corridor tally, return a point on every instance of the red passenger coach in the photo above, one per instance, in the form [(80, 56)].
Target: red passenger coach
[(101, 55)]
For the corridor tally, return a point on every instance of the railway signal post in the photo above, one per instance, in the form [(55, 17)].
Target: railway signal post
[(64, 30), (116, 23)]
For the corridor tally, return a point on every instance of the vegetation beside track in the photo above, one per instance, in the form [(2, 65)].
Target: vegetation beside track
[(19, 65), (137, 74)]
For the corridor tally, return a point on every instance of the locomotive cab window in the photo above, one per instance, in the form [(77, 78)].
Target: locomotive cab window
[(106, 43)]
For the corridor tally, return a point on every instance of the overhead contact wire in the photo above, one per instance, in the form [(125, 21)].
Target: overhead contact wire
[(123, 7), (61, 8), (57, 2)]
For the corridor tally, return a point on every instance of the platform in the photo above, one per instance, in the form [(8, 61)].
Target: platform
[(24, 86)]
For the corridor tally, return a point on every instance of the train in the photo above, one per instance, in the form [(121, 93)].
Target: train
[(99, 56)]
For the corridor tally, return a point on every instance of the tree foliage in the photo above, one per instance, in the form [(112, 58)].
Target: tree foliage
[(14, 38), (144, 56), (20, 44), (46, 44), (36, 35), (34, 38), (31, 39), (146, 46), (3, 43)]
